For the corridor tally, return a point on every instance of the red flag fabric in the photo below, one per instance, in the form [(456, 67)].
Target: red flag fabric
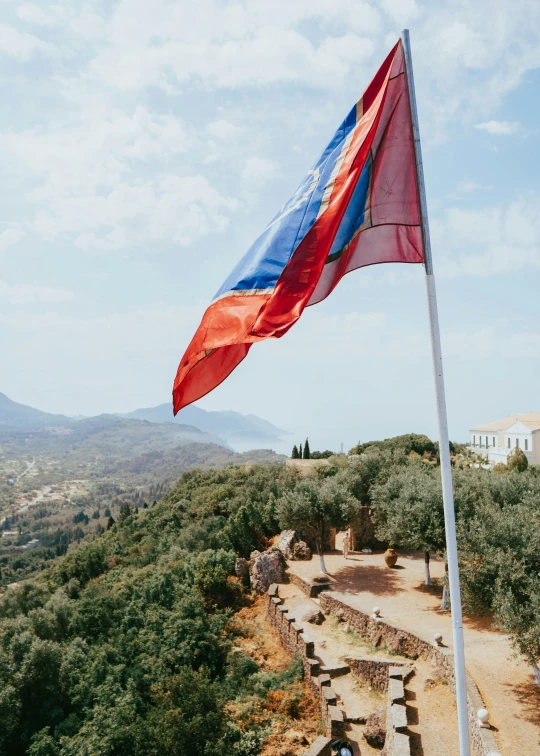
[(357, 206)]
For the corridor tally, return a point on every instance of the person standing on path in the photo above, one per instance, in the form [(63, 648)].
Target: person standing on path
[(346, 544)]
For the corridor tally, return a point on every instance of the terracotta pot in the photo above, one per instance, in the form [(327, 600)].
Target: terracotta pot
[(390, 557)]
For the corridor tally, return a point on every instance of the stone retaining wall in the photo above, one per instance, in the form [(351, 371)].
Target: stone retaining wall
[(397, 742), (379, 632), (298, 643), (372, 671), (321, 747), (309, 587)]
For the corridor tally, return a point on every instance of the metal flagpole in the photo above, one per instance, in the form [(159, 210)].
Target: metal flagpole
[(444, 446)]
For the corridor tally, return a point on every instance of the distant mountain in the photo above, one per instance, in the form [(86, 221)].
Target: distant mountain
[(106, 436), (192, 423), (232, 426), (15, 415)]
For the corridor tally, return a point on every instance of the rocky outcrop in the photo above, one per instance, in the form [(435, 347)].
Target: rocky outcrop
[(301, 552), (314, 616), (293, 547), (287, 539), (375, 729), (241, 569), (265, 568)]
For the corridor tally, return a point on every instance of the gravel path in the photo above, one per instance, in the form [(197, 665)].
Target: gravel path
[(431, 712), (505, 682)]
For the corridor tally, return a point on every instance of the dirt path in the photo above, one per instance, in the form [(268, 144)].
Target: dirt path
[(30, 465), (505, 682), (431, 714), (431, 711), (35, 501)]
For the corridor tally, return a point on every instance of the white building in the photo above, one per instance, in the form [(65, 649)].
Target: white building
[(498, 439), (31, 544)]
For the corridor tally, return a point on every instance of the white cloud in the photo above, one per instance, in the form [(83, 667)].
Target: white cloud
[(105, 180), (83, 22), (467, 187), (258, 171), (23, 46), (168, 209), (490, 241), (25, 294), (375, 334), (492, 341), (9, 237), (401, 11), (149, 329), (222, 129), (498, 128)]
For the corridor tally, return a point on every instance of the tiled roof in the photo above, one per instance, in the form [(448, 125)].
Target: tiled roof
[(530, 419)]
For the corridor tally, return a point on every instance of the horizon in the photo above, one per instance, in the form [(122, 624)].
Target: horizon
[(149, 162), (280, 445)]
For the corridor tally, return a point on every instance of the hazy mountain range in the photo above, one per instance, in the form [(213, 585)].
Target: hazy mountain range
[(192, 423), (227, 424)]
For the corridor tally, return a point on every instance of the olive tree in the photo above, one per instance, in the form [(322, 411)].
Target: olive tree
[(408, 512), (317, 505), (500, 568), (517, 460)]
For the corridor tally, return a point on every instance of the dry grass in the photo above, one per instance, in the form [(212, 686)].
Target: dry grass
[(292, 715)]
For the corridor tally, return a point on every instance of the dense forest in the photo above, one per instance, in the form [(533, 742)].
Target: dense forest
[(64, 496), (128, 645)]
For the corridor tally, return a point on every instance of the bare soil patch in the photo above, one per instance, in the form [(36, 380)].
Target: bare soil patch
[(505, 682)]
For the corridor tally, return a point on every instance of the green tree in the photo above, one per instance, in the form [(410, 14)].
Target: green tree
[(408, 512), (316, 506), (500, 564), (403, 445), (517, 460), (300, 453), (295, 454), (306, 449)]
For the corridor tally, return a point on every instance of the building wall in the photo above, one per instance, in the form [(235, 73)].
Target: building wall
[(536, 447), (516, 435)]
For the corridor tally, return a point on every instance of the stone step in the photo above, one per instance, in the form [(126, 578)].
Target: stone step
[(399, 717), (329, 695), (336, 670), (355, 715), (396, 691), (336, 721), (402, 745), (401, 672)]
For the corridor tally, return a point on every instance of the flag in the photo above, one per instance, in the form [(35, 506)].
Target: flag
[(357, 206)]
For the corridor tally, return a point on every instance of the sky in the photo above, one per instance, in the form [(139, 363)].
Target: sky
[(144, 146)]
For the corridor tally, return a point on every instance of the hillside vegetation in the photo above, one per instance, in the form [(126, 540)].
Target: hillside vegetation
[(61, 485), (129, 644), (132, 644)]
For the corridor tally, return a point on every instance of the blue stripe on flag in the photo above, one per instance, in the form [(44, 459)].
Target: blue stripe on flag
[(355, 214), (263, 263)]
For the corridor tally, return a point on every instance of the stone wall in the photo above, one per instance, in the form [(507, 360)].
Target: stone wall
[(321, 747), (298, 643), (397, 742), (381, 633), (373, 672), (308, 586), (363, 531)]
